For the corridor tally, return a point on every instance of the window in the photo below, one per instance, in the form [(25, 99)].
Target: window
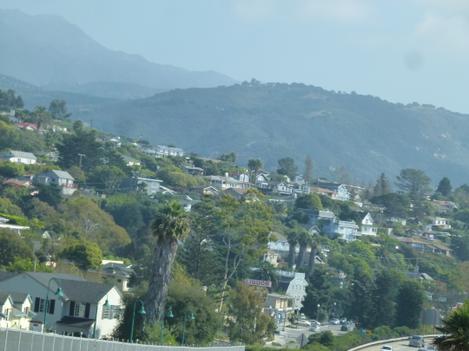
[(51, 307), (77, 310), (107, 312), (39, 304), (87, 310)]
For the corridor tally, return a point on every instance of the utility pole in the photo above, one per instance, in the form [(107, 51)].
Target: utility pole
[(81, 157)]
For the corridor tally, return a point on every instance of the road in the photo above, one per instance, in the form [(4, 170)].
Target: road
[(398, 346), (293, 336)]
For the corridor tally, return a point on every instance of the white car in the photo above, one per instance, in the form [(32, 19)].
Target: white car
[(386, 348)]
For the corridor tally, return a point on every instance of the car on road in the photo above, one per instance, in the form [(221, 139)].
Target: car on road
[(304, 323), (386, 348), (416, 341), (335, 321)]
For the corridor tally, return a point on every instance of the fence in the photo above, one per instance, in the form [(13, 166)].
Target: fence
[(22, 340)]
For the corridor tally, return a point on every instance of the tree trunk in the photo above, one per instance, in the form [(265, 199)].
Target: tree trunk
[(312, 255), (291, 254), (301, 255), (164, 254)]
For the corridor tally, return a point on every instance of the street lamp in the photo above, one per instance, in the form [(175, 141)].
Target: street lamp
[(105, 305), (59, 293), (141, 311), (317, 312), (169, 314), (189, 318)]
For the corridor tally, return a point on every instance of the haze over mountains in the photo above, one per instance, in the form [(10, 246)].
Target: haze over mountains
[(48, 51), (45, 57)]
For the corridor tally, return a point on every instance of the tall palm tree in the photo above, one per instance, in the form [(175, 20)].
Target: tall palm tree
[(314, 251), (304, 239), (292, 242), (169, 227), (455, 331)]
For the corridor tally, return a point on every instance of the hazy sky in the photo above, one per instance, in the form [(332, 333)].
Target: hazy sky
[(400, 50)]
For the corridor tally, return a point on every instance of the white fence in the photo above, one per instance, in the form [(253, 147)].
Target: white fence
[(22, 340)]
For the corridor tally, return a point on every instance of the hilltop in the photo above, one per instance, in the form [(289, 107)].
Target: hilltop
[(363, 134), (48, 51)]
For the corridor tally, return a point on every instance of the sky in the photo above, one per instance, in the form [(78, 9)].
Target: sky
[(399, 50)]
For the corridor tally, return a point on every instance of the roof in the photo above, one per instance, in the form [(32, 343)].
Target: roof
[(62, 174), (18, 297), (4, 296), (6, 275), (20, 154), (76, 321)]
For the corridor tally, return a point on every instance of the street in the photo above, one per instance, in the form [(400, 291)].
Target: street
[(293, 336)]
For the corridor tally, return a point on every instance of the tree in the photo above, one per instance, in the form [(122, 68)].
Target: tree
[(304, 239), (382, 186), (254, 165), (460, 246), (58, 109), (107, 178), (248, 323), (455, 330), (12, 247), (308, 202), (396, 205), (414, 182), (169, 227), (8, 100), (286, 166), (308, 170), (312, 255), (444, 187), (384, 296), (292, 242), (359, 306), (51, 194), (409, 304), (230, 157), (85, 254)]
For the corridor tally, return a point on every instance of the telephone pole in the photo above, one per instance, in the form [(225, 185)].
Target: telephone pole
[(81, 157)]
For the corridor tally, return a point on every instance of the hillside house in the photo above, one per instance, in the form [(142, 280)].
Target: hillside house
[(335, 191), (440, 223), (75, 306), (444, 207), (165, 151), (284, 188), (210, 191), (195, 171), (367, 226), (14, 156), (344, 230), (226, 182), (279, 307), (149, 185), (62, 179), (426, 246), (297, 290), (4, 224), (262, 181)]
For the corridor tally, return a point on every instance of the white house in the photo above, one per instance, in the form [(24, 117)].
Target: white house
[(26, 158), (75, 306), (163, 150), (227, 182), (62, 179), (344, 230), (284, 188), (441, 223), (336, 191), (15, 310), (367, 226), (262, 181), (151, 186), (297, 290)]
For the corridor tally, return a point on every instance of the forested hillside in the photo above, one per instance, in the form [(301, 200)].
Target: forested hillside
[(343, 133)]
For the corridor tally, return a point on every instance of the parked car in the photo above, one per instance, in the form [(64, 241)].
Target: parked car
[(416, 341), (386, 348), (304, 323), (335, 321)]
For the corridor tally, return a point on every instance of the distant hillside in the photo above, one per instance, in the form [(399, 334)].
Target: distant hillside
[(48, 51), (34, 96), (364, 134)]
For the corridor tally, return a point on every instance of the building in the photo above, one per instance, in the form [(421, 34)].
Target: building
[(284, 188), (226, 182), (367, 226), (164, 151), (149, 185), (15, 310), (440, 223), (279, 307), (62, 179), (335, 191), (297, 290), (426, 246), (344, 230), (262, 181), (75, 306), (16, 228), (26, 158)]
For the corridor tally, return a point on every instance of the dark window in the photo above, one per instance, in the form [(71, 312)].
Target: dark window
[(37, 301), (87, 310), (72, 308), (51, 307)]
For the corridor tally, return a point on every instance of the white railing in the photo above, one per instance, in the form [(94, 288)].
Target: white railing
[(388, 341), (25, 340)]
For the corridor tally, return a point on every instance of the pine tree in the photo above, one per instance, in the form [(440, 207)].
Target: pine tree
[(308, 170), (382, 186)]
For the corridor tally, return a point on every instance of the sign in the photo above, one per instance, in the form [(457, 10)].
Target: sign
[(261, 283)]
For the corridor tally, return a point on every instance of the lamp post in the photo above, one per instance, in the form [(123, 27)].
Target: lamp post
[(59, 293), (317, 312), (189, 318), (106, 305), (169, 314), (141, 312)]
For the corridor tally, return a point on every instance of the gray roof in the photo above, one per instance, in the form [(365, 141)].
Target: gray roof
[(62, 174), (6, 275), (3, 296), (18, 297), (20, 154), (44, 278)]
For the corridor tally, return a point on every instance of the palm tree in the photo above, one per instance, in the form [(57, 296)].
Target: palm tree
[(455, 331), (169, 227), (292, 242), (304, 239), (314, 251)]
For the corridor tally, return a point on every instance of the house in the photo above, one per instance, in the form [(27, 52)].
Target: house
[(284, 188), (19, 182), (335, 191), (195, 171), (262, 181), (149, 185), (367, 226), (236, 193), (14, 227), (74, 306), (426, 246), (444, 206), (62, 179), (272, 258), (226, 182), (210, 191), (344, 230), (131, 162), (27, 126), (279, 307), (440, 223), (297, 290), (118, 272), (15, 310), (164, 151), (14, 156)]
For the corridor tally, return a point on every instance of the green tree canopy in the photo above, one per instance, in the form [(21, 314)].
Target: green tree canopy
[(286, 166), (58, 109), (444, 187), (414, 182), (85, 254), (455, 330)]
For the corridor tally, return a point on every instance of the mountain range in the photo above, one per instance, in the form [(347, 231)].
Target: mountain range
[(44, 58), (50, 52)]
